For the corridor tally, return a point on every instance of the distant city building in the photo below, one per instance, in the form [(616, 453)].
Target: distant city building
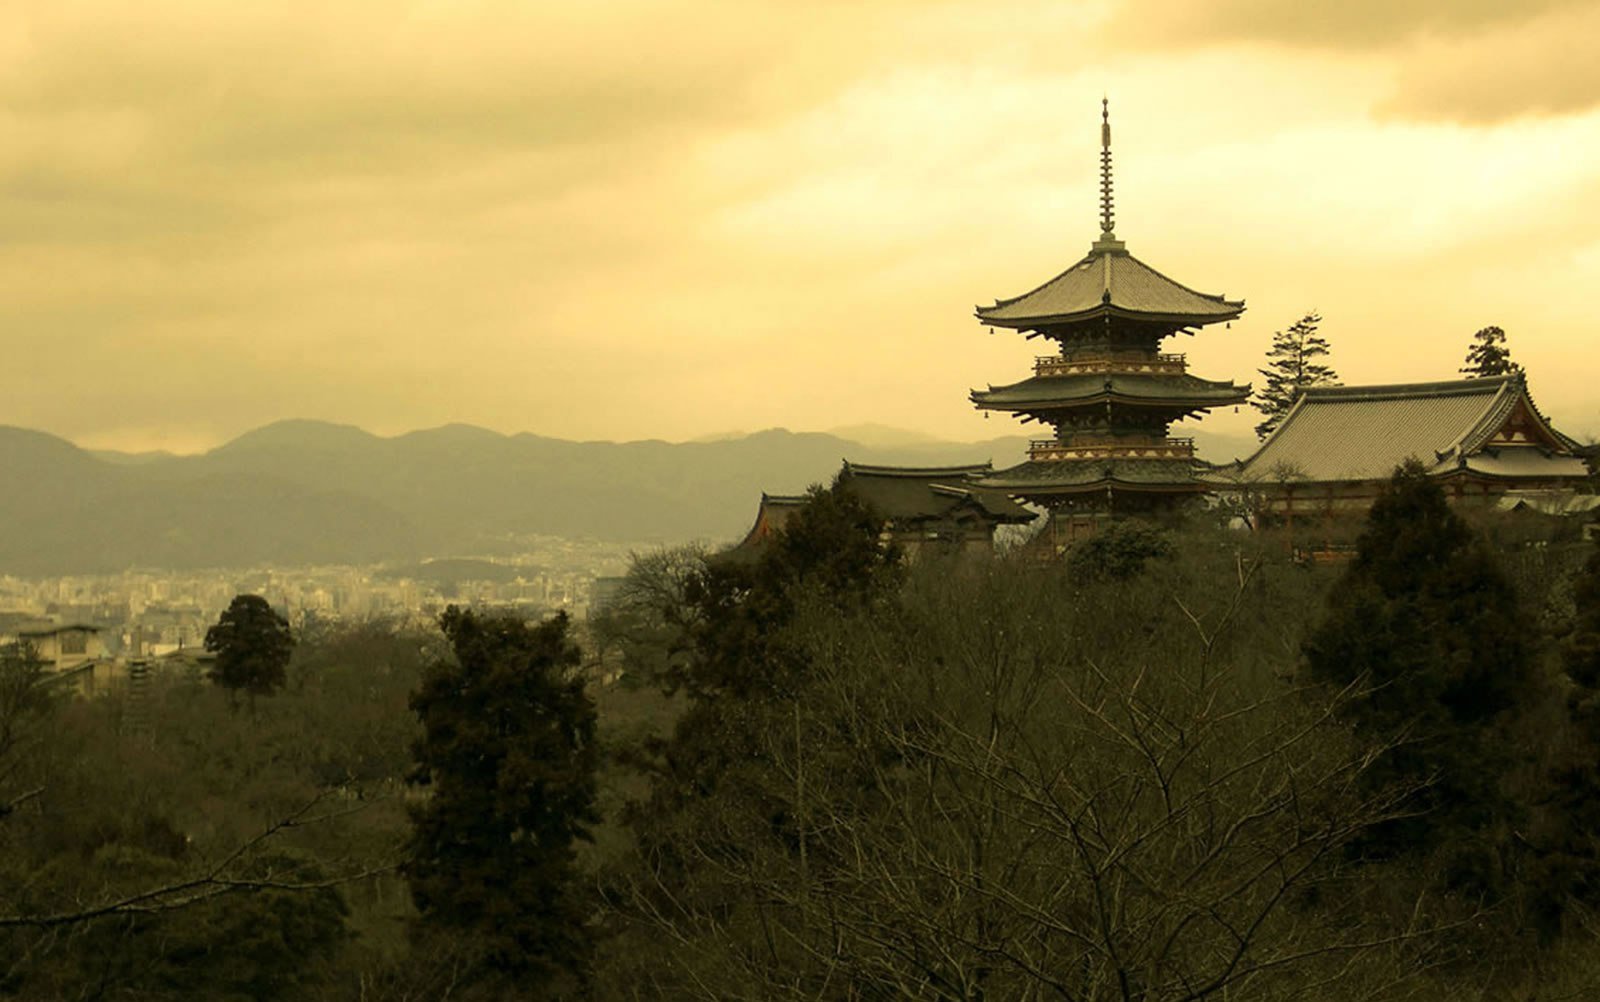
[(1109, 393)]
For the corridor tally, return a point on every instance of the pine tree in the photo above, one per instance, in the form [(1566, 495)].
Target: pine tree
[(1489, 356), (1428, 633), (509, 754), (1291, 367)]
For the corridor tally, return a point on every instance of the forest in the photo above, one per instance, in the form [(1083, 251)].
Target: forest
[(1174, 764)]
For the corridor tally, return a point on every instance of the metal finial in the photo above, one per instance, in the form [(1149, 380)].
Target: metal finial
[(1106, 217)]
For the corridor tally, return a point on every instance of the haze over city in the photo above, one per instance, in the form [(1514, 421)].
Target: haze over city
[(647, 219)]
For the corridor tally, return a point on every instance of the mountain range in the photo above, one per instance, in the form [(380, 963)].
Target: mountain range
[(310, 492)]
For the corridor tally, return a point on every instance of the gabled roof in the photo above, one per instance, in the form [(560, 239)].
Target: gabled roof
[(1352, 433), (1043, 392), (1110, 282)]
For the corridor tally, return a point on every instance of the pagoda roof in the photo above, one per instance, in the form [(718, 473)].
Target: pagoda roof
[(907, 494), (1354, 433), (1038, 477), (1110, 282), (1177, 389)]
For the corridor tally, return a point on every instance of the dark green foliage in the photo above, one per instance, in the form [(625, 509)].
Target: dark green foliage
[(1119, 550), (1568, 841), (249, 946), (1291, 367), (831, 547), (26, 702), (1430, 637), (508, 756), (1488, 355), (253, 646), (714, 794)]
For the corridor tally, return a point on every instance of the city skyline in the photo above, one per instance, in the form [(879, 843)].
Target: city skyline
[(674, 220)]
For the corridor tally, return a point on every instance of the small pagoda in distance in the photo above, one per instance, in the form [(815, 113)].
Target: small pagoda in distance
[(1109, 392)]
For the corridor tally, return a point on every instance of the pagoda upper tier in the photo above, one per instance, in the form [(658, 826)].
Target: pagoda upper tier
[(1175, 394), (1109, 288)]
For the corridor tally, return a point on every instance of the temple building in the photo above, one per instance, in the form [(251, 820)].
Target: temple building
[(1110, 392), (924, 508), (1337, 446)]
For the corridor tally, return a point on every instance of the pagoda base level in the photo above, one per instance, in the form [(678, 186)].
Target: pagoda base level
[(1119, 501), (1071, 523)]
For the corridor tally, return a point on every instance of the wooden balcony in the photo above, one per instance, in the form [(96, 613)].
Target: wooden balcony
[(1122, 362), (1111, 447)]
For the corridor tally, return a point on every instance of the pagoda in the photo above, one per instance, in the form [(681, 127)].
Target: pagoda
[(1109, 392)]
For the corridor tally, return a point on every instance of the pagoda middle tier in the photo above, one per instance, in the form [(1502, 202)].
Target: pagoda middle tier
[(1110, 393)]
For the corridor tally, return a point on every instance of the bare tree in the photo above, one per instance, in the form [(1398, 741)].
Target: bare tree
[(1044, 793)]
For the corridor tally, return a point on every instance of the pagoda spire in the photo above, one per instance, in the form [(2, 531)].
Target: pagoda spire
[(1108, 238), (1106, 215)]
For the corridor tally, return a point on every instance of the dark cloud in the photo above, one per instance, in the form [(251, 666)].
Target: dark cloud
[(1471, 61), (1545, 66), (1348, 24)]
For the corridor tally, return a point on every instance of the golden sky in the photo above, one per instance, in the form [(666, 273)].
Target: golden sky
[(630, 218)]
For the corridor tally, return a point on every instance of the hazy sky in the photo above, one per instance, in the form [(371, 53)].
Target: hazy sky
[(628, 219)]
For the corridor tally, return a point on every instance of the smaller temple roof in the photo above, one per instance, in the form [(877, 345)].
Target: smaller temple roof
[(773, 514), (1042, 392), (1110, 282), (1488, 426), (907, 494)]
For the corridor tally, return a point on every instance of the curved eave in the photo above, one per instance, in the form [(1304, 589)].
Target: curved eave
[(1105, 398), (985, 314), (1064, 392), (1100, 486)]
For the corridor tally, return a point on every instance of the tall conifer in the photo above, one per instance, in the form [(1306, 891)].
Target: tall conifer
[(1291, 367), (1427, 631), (508, 753)]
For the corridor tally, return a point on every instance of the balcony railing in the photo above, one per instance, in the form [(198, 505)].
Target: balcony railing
[(1111, 447), (1131, 362)]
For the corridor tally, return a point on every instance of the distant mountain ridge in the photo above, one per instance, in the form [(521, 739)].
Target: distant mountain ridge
[(309, 492), (306, 492)]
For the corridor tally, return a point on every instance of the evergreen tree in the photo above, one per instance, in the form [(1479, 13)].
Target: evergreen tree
[(1568, 842), (253, 645), (1291, 367), (509, 754), (714, 792), (1488, 355), (1427, 632)]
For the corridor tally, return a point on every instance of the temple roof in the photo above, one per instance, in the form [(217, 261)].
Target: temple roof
[(905, 494), (1077, 477), (1352, 433), (1110, 282), (1040, 392)]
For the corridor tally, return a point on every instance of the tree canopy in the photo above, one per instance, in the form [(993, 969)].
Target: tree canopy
[(1291, 367), (1429, 635), (253, 645), (508, 753)]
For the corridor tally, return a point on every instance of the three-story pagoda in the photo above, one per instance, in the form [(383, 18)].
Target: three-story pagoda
[(1109, 393)]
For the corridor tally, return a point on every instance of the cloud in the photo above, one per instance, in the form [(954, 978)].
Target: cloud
[(1472, 61), (1543, 66), (1349, 24)]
